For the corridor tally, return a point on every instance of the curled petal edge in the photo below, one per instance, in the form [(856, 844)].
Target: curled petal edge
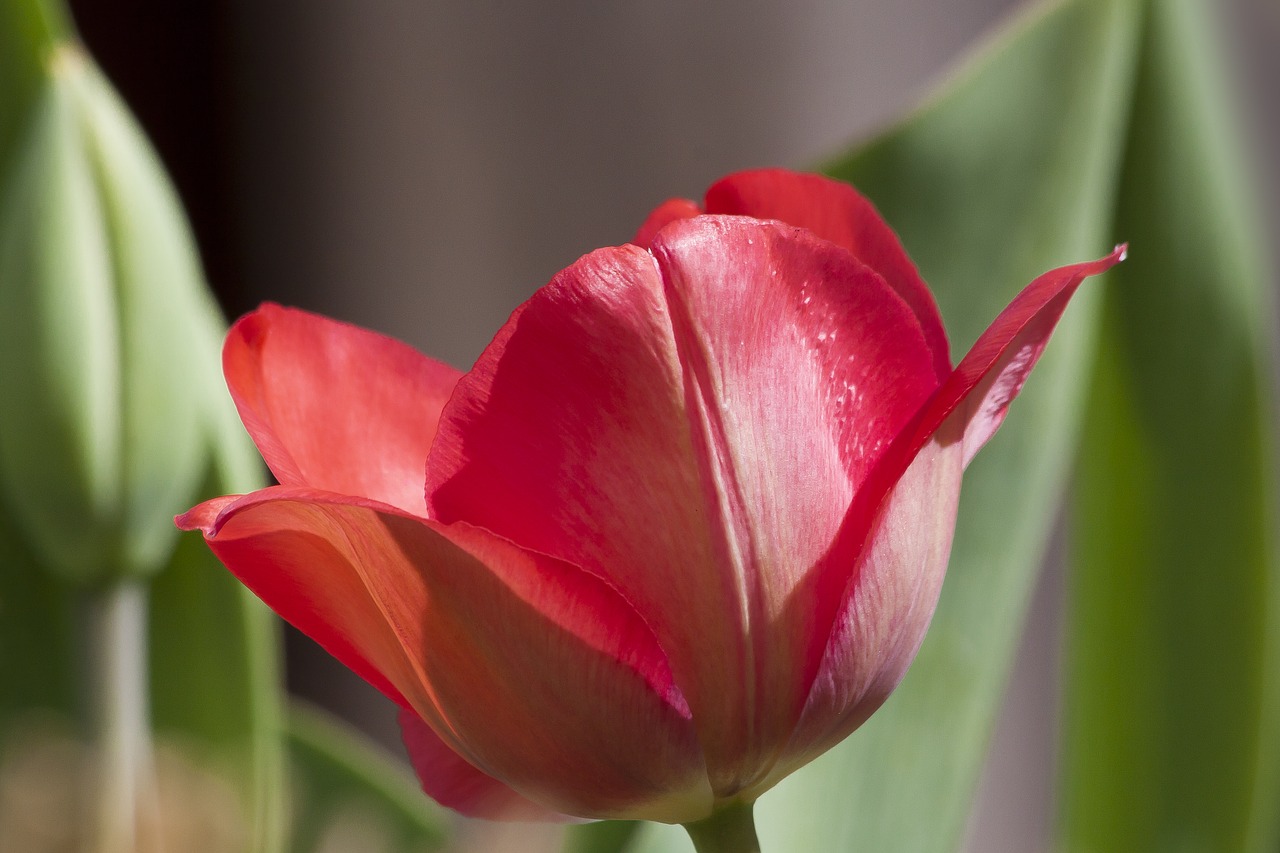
[(967, 409), (336, 407), (467, 630)]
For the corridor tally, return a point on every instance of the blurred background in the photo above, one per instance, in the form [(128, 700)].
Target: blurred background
[(421, 168)]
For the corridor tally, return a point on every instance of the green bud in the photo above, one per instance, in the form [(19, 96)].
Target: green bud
[(104, 337)]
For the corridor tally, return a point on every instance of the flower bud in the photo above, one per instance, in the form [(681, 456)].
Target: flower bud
[(102, 325)]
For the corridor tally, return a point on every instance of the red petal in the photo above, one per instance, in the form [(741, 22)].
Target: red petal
[(991, 374), (669, 211), (291, 568), (884, 617), (956, 421), (335, 407), (977, 394), (534, 671), (834, 211), (693, 429), (452, 781)]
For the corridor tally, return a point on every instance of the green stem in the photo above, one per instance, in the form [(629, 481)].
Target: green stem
[(731, 829), (116, 651)]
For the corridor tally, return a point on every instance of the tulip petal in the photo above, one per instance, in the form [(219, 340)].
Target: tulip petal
[(882, 623), (692, 425), (337, 613), (452, 781), (835, 211), (532, 670), (914, 488), (992, 373), (335, 407)]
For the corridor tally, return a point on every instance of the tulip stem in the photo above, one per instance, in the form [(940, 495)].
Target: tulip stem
[(116, 651), (730, 829)]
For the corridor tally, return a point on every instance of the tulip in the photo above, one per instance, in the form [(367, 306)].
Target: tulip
[(680, 529), (103, 317)]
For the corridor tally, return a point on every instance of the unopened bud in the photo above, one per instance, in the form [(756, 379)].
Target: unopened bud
[(102, 335)]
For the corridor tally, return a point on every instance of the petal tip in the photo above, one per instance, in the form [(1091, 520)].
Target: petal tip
[(251, 328), (205, 517)]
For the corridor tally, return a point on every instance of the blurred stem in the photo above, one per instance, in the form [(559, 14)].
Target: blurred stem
[(731, 829), (116, 653)]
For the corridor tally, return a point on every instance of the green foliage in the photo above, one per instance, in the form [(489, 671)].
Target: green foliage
[(1172, 672), (37, 637), (339, 776), (605, 836)]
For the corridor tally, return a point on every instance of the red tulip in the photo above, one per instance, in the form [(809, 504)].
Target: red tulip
[(679, 530)]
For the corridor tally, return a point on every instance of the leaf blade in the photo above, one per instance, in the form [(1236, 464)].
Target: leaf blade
[(1173, 593), (336, 768)]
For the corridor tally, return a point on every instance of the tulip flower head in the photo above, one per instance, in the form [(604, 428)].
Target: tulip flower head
[(679, 530)]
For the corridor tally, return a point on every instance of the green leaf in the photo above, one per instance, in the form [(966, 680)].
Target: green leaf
[(37, 637), (1008, 172), (215, 683), (1171, 707), (604, 836), (339, 775)]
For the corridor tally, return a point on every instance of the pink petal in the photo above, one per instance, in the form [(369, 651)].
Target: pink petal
[(452, 781), (905, 513), (882, 623), (692, 425), (335, 407), (533, 671), (835, 211), (993, 371)]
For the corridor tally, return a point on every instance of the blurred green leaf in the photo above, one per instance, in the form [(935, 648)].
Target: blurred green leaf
[(338, 773), (604, 836), (1171, 709), (215, 679), (37, 637), (1008, 172)]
